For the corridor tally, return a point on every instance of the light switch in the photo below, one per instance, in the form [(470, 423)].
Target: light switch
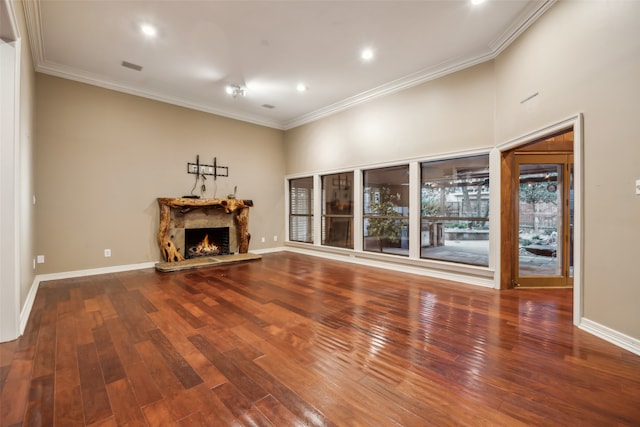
[(638, 186)]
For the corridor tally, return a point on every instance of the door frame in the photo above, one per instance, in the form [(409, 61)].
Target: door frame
[(10, 220), (502, 175), (564, 159)]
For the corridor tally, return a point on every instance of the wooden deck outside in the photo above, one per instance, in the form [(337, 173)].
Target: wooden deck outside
[(294, 340)]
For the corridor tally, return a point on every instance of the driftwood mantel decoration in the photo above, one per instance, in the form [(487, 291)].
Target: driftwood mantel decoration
[(170, 252)]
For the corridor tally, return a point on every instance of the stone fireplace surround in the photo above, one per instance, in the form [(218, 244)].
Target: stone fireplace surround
[(178, 214)]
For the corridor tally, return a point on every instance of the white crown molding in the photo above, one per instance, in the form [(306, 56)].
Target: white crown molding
[(526, 19), (34, 30), (394, 86), (9, 31), (84, 77)]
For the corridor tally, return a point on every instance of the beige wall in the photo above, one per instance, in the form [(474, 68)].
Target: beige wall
[(449, 114), (585, 57), (581, 57), (104, 157)]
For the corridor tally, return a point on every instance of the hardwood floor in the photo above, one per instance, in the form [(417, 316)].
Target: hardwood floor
[(294, 340)]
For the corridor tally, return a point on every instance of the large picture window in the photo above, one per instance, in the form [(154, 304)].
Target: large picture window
[(337, 210), (455, 210), (301, 210), (386, 210)]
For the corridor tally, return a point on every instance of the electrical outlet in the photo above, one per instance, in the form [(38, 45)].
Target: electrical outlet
[(193, 168), (275, 238), (263, 240), (107, 253), (40, 259)]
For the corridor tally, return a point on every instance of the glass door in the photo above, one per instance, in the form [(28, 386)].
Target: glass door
[(544, 207)]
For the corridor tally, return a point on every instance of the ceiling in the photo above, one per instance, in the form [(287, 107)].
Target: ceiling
[(269, 47)]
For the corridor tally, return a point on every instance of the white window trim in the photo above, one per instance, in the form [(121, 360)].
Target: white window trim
[(477, 275)]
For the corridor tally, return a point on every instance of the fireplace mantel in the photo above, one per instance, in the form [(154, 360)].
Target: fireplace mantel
[(170, 252)]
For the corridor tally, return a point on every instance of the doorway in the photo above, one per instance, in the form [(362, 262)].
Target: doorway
[(543, 220), (538, 213)]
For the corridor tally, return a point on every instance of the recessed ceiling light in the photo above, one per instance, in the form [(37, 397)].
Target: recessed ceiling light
[(301, 87), (148, 30), (367, 54), (476, 2)]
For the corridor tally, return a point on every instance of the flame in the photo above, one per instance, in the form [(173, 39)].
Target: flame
[(204, 247)]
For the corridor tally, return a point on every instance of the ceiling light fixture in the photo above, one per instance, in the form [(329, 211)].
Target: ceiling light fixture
[(301, 87), (235, 90), (477, 2), (148, 30), (367, 54)]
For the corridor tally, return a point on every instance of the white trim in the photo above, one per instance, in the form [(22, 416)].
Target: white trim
[(413, 260), (575, 122), (267, 250), (367, 260), (94, 271), (611, 335), (524, 21), (28, 304), (317, 211), (358, 211), (448, 155), (494, 219), (10, 255), (414, 210)]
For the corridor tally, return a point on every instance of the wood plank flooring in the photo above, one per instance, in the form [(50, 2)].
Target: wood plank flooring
[(294, 340)]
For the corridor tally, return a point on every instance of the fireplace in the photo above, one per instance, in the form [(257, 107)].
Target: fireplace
[(186, 223), (201, 242), (182, 214)]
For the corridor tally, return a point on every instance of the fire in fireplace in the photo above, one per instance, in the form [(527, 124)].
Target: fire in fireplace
[(201, 242)]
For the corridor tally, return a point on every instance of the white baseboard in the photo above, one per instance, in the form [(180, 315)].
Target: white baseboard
[(95, 271), (404, 268), (28, 305), (610, 335), (267, 250)]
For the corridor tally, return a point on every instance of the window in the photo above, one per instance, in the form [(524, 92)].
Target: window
[(386, 210), (301, 210), (337, 210), (455, 210)]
